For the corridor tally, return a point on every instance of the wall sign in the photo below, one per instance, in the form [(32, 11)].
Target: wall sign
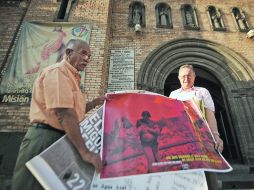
[(121, 70)]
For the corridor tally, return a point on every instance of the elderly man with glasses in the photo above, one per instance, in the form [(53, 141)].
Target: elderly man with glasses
[(188, 91), (57, 107)]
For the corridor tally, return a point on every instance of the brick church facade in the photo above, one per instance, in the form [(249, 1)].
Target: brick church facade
[(209, 34)]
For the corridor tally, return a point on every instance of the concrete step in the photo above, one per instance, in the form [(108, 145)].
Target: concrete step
[(237, 184), (240, 178)]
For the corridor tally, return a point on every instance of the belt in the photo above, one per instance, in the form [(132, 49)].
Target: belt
[(47, 127)]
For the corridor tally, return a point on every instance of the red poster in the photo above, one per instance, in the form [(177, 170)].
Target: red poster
[(149, 133)]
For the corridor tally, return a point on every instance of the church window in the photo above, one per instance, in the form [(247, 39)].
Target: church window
[(240, 20), (189, 17), (163, 16), (136, 14), (215, 18)]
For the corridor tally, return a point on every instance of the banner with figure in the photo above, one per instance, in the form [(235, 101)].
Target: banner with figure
[(39, 45), (151, 133)]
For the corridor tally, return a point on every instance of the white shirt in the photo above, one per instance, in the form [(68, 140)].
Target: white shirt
[(197, 93)]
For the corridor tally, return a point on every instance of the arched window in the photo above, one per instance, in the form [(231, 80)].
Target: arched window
[(240, 20), (136, 14), (163, 16), (215, 19), (189, 16)]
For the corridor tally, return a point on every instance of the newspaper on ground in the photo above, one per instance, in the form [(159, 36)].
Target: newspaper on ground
[(192, 180)]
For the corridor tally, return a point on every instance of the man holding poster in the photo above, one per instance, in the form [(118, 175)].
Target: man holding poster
[(183, 138), (202, 96), (57, 107)]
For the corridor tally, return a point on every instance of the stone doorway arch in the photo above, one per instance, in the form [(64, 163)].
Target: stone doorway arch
[(219, 66)]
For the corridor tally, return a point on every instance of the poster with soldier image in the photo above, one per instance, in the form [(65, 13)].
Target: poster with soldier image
[(150, 133)]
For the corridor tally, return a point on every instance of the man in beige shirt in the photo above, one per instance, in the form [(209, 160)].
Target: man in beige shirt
[(57, 107)]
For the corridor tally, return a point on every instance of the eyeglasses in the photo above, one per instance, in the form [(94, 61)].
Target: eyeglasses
[(84, 56), (185, 76)]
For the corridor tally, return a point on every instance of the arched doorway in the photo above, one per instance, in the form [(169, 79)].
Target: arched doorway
[(223, 117), (229, 78)]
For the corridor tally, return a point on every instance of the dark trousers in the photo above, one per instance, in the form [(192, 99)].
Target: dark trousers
[(212, 181), (35, 141)]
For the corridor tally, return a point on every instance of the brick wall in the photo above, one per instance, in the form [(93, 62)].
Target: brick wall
[(113, 32), (151, 37), (95, 12), (11, 15), (15, 118), (12, 118)]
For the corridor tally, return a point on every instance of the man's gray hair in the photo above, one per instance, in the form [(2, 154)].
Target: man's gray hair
[(74, 43), (187, 66)]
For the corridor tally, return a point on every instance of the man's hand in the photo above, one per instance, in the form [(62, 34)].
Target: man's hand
[(95, 102), (99, 100), (67, 118), (211, 120), (93, 159), (218, 143)]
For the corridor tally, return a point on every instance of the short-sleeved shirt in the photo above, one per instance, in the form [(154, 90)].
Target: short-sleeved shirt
[(58, 86), (197, 93)]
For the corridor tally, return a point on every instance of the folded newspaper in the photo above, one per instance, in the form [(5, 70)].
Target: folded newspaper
[(61, 167)]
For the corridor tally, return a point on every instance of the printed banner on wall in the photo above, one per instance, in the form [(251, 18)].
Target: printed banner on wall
[(151, 133), (39, 45)]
